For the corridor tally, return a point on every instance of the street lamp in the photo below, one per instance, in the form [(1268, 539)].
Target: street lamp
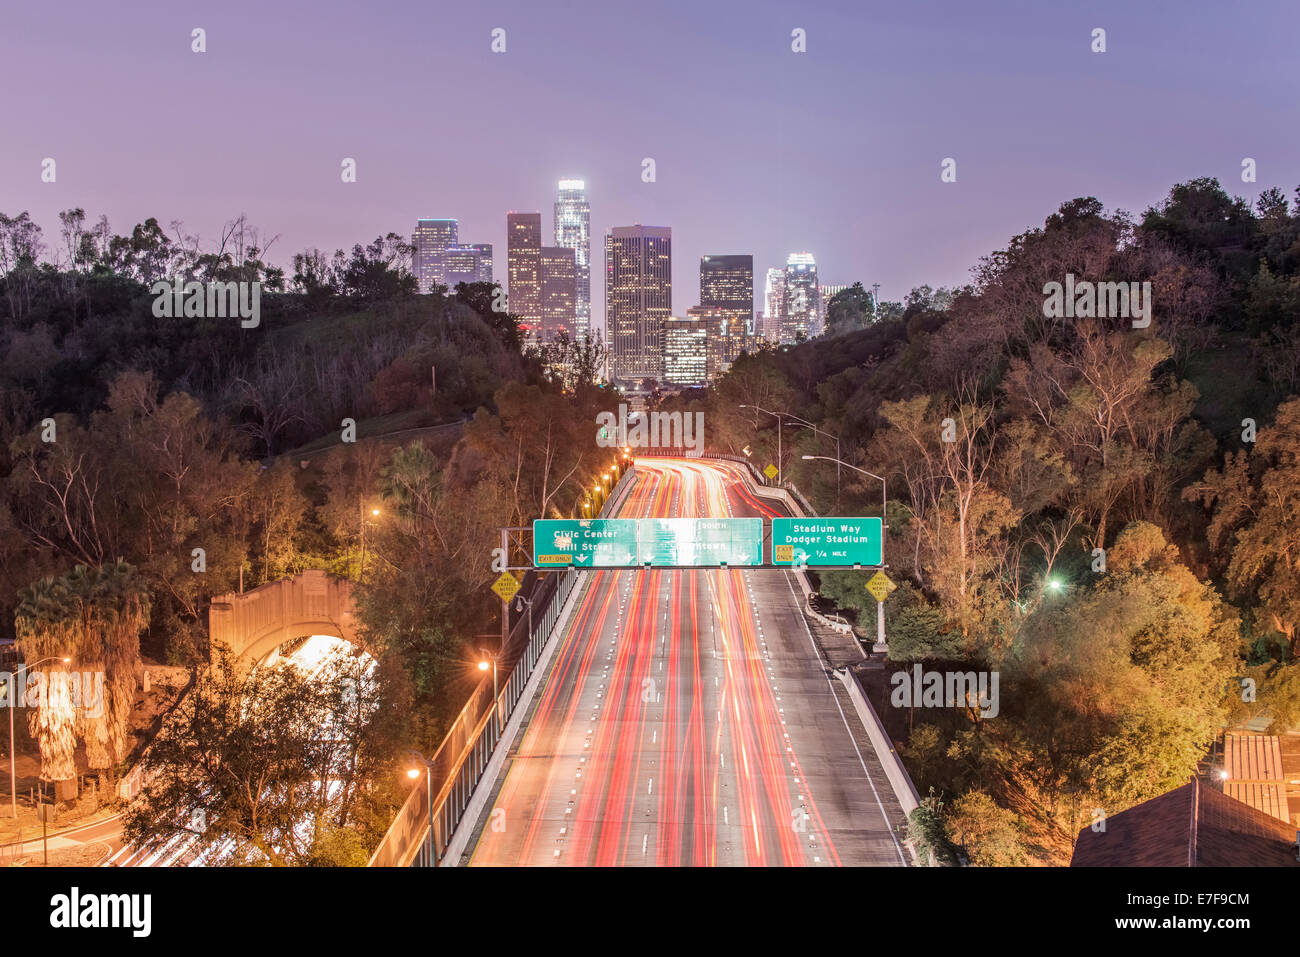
[(362, 519), (483, 666), (808, 425), (520, 602), (883, 493), (414, 773), (10, 689), (778, 436)]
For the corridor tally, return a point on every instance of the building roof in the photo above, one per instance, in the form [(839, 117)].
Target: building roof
[(1253, 763), (1190, 826)]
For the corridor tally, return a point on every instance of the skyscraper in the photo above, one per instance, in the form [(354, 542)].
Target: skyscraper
[(573, 231), (523, 266), (484, 251), (685, 352), (431, 239), (470, 263), (773, 305), (638, 301), (718, 342), (727, 284), (558, 306), (802, 314)]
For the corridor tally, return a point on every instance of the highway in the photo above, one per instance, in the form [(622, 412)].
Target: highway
[(689, 719)]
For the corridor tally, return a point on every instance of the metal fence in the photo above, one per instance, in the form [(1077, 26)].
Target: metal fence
[(420, 838)]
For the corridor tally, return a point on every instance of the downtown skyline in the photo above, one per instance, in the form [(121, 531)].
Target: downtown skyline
[(863, 194)]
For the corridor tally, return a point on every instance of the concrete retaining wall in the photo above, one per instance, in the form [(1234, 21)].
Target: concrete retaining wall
[(899, 779)]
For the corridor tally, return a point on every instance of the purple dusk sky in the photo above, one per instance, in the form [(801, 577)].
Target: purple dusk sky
[(758, 149)]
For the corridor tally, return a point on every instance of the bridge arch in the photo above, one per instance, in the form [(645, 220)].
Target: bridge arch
[(253, 624)]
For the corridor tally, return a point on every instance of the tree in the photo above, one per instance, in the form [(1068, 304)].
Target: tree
[(945, 451), (849, 309), (1255, 499), (989, 834), (20, 247), (94, 618), (265, 766)]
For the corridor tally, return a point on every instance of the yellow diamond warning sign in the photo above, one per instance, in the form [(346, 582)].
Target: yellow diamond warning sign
[(770, 471), (507, 586), (880, 586)]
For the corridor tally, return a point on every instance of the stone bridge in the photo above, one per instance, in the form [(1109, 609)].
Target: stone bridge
[(254, 624)]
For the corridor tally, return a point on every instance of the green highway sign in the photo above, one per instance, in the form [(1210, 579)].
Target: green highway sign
[(642, 542), (584, 543), (700, 541), (826, 542)]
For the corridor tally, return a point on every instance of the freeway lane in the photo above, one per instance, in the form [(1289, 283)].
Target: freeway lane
[(687, 719)]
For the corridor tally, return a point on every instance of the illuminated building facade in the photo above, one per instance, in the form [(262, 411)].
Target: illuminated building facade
[(573, 231), (685, 352), (523, 268), (802, 315), (558, 306), (638, 302)]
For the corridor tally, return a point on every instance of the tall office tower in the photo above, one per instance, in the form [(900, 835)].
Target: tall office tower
[(685, 352), (431, 239), (827, 294), (484, 251), (727, 283), (573, 230), (523, 264), (638, 301), (802, 303), (559, 286), (773, 305), (718, 342), (466, 264)]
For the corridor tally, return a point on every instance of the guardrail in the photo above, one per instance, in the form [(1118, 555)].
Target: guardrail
[(419, 838)]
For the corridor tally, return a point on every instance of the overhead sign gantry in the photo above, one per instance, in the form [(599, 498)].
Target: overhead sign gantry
[(853, 542)]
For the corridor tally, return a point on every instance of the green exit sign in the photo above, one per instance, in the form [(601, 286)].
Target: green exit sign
[(827, 542)]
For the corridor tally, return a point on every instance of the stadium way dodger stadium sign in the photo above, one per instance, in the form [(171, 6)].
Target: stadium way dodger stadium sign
[(826, 542)]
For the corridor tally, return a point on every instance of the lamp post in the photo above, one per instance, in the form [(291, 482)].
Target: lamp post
[(884, 501), (778, 436), (10, 689), (520, 602), (362, 518), (428, 788), (483, 666), (808, 425)]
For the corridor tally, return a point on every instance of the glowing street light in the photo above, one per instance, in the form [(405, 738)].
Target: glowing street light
[(374, 512), (413, 773), (483, 666)]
